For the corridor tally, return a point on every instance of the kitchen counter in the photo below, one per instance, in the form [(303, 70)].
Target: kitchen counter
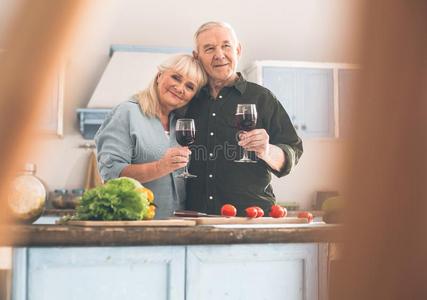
[(188, 263), (65, 212), (60, 235)]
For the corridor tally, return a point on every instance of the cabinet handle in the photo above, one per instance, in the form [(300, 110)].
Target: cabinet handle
[(303, 127)]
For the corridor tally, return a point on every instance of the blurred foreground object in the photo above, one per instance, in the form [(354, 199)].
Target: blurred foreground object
[(35, 42), (27, 196), (386, 195)]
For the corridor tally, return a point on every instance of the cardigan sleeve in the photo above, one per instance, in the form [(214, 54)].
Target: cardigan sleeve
[(114, 143)]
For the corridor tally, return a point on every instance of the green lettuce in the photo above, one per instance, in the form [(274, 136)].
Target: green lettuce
[(118, 199)]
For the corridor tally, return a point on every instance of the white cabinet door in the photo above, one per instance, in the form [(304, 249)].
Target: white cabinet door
[(269, 271), (252, 271), (316, 102), (307, 94), (283, 83), (123, 273)]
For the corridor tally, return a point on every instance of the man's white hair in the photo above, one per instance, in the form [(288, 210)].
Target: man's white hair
[(209, 25)]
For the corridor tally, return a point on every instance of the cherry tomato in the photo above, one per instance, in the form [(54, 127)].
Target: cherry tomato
[(307, 215), (251, 212), (260, 212), (278, 212), (228, 210)]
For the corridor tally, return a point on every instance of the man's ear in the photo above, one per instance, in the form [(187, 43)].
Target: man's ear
[(239, 50), (195, 54)]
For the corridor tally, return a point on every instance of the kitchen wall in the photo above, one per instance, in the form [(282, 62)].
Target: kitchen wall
[(308, 30)]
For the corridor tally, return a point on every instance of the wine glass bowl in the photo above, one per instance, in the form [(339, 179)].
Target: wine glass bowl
[(245, 122), (185, 132), (246, 117), (185, 137)]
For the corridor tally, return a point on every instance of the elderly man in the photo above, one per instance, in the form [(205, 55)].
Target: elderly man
[(273, 143)]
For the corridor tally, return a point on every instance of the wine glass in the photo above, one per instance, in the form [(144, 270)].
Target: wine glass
[(246, 116), (185, 132)]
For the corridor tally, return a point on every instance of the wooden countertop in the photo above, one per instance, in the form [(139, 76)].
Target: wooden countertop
[(64, 212), (60, 235)]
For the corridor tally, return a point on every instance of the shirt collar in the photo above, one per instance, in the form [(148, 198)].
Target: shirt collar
[(240, 85)]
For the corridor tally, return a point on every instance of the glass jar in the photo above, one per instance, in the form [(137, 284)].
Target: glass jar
[(58, 198), (74, 199), (27, 195)]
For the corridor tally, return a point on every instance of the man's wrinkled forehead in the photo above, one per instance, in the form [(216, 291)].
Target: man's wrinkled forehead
[(209, 37)]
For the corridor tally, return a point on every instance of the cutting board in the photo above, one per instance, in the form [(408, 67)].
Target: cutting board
[(171, 222), (242, 220)]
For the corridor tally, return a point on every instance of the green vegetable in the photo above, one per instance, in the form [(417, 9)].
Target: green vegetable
[(125, 181), (332, 208), (118, 199), (333, 204)]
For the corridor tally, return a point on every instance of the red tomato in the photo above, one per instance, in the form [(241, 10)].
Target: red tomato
[(260, 212), (278, 212), (307, 215), (228, 210), (251, 212)]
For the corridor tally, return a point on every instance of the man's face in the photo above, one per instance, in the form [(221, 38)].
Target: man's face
[(218, 52)]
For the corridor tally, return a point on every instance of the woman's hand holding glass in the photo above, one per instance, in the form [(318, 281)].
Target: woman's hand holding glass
[(175, 158), (185, 132)]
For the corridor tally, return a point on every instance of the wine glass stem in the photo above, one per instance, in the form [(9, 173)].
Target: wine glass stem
[(186, 166), (245, 154)]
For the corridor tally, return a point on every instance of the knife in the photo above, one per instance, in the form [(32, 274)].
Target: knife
[(192, 214)]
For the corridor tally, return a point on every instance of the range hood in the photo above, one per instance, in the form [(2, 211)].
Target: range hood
[(130, 69)]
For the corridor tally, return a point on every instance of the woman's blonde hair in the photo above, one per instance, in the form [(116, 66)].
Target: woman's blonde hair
[(183, 64)]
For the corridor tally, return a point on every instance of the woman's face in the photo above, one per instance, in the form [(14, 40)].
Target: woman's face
[(174, 89)]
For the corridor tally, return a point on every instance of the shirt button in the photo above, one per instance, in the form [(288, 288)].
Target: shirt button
[(220, 97), (210, 175), (210, 197), (213, 114), (212, 133)]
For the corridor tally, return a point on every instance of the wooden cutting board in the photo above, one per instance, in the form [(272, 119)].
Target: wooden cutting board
[(242, 220), (171, 222)]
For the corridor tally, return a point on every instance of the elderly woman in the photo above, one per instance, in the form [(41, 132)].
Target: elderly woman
[(138, 138)]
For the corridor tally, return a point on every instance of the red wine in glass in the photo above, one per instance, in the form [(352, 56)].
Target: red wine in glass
[(246, 121), (185, 137), (246, 117), (185, 132)]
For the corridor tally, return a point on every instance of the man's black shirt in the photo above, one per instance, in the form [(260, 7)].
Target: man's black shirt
[(220, 179)]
